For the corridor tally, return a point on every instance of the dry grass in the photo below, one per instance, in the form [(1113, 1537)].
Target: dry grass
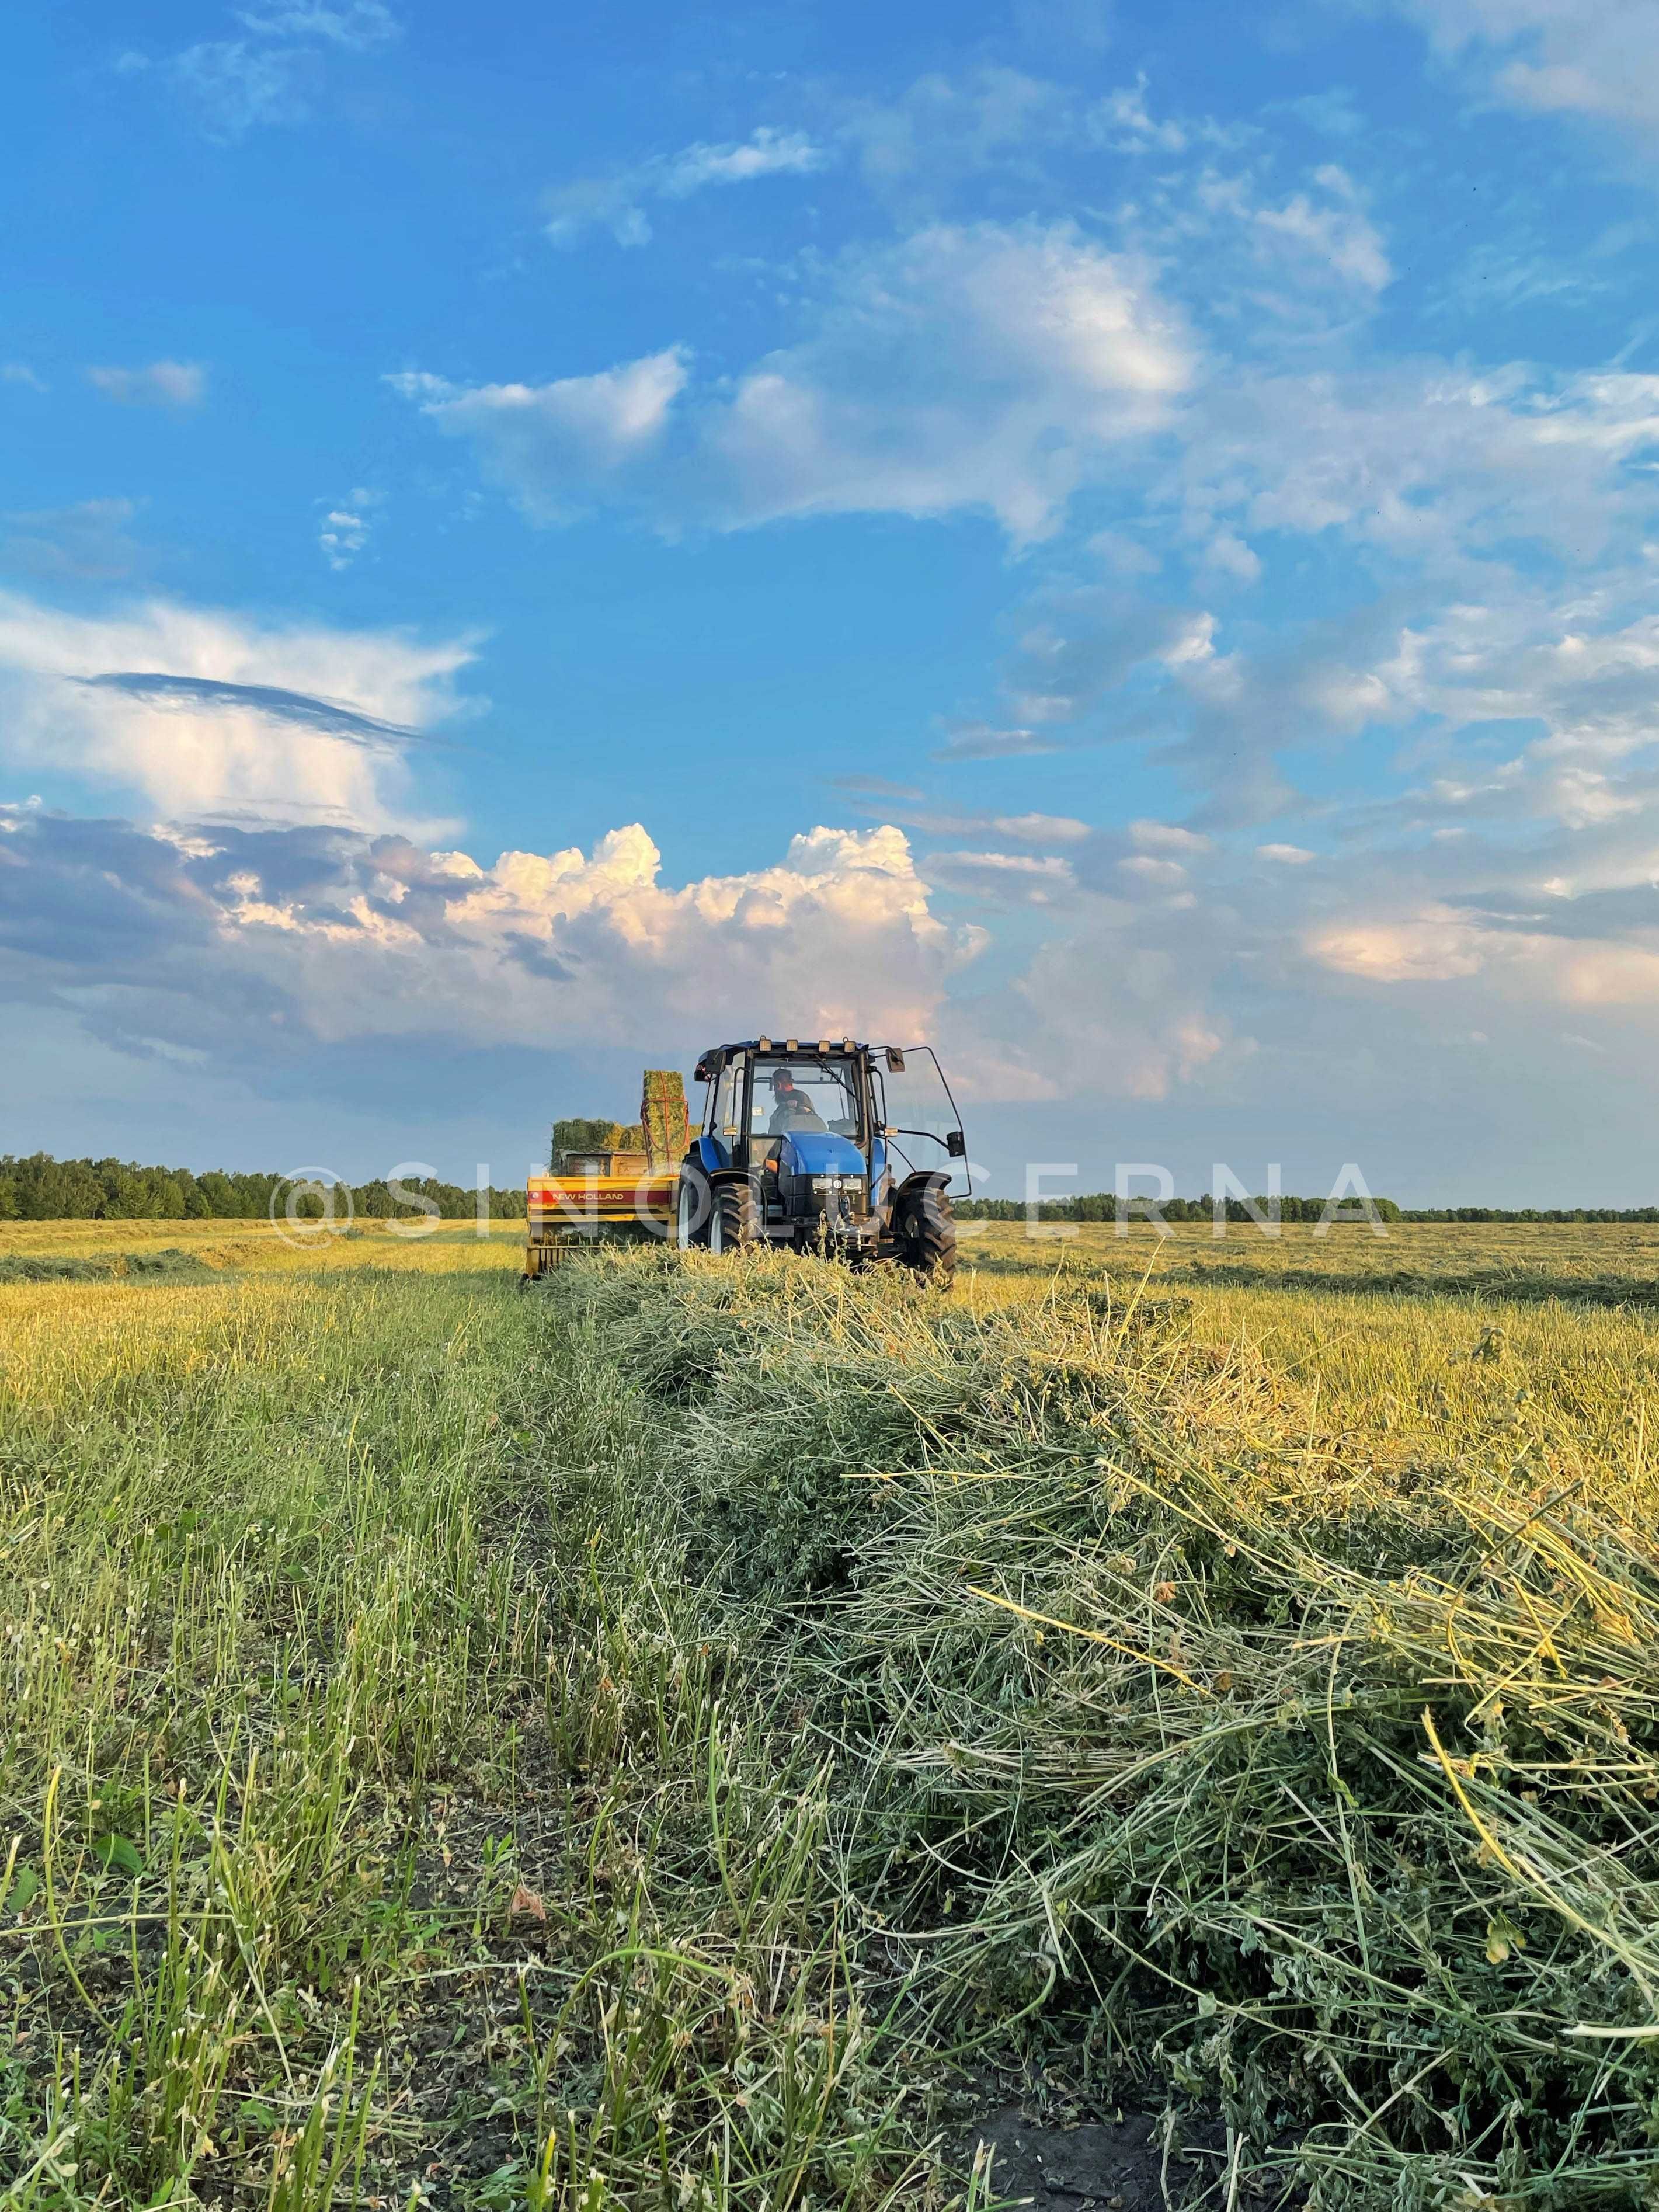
[(647, 1739)]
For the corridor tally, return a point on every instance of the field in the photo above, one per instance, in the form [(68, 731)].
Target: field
[(1174, 1723)]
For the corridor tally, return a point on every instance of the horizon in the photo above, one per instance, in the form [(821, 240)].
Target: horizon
[(1119, 541)]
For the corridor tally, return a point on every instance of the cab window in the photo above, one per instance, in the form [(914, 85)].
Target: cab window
[(728, 1100)]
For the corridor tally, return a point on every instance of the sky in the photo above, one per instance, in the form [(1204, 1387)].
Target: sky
[(1117, 539)]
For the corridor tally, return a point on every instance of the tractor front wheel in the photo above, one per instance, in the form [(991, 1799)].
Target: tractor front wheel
[(735, 1221), (925, 1234), (693, 1210)]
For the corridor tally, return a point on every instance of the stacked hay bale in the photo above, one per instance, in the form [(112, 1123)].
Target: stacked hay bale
[(663, 1117), (588, 1134)]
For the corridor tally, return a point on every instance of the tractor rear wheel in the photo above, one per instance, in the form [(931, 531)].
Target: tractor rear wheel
[(926, 1234), (735, 1221)]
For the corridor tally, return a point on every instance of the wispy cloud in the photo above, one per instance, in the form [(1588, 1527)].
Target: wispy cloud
[(1049, 829), (274, 71), (235, 87), (874, 787), (88, 541), (1334, 113), (985, 741), (330, 717), (161, 384), (19, 371), (616, 202), (360, 27), (1596, 59)]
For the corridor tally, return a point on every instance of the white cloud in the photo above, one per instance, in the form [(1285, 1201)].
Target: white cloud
[(360, 27), (1113, 1007), (1122, 123), (768, 153), (990, 367), (1598, 59), (89, 540), (1336, 231), (615, 202), (345, 528), (1023, 829), (913, 151), (1332, 114), (222, 716), (1003, 878), (1285, 856), (274, 73), (987, 367), (19, 371), (984, 741), (234, 87), (1168, 837), (162, 384), (1423, 461), (1427, 948), (384, 939), (554, 446)]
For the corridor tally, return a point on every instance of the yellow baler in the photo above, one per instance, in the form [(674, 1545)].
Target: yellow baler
[(594, 1193)]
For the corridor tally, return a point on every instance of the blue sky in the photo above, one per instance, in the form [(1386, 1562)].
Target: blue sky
[(1118, 539)]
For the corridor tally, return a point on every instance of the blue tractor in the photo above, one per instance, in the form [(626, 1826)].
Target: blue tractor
[(829, 1146)]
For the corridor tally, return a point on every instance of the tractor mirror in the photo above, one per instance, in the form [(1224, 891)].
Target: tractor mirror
[(702, 1073), (894, 1061), (956, 1144)]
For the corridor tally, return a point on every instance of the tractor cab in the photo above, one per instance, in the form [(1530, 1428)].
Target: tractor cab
[(824, 1144)]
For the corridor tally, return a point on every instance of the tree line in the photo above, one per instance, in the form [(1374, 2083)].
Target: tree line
[(41, 1189), (1102, 1206), (38, 1187)]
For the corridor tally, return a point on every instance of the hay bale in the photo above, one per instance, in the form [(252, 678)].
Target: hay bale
[(666, 1124), (580, 1133)]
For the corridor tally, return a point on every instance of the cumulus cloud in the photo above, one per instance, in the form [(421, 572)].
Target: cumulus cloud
[(1430, 947), (347, 936), (986, 366), (615, 202), (209, 713), (161, 384)]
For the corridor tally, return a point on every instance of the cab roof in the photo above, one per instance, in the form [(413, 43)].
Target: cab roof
[(810, 1047)]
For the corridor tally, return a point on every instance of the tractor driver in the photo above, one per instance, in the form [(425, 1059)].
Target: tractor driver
[(791, 1107)]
